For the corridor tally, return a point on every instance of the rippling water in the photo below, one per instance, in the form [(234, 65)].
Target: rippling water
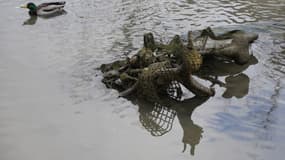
[(54, 106)]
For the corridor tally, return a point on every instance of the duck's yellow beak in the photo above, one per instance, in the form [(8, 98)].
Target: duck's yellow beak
[(24, 6)]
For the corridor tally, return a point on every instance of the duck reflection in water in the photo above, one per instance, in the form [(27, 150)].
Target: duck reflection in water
[(33, 18), (236, 83), (158, 118), (31, 21)]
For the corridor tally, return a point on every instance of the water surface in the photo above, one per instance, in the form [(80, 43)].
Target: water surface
[(54, 106)]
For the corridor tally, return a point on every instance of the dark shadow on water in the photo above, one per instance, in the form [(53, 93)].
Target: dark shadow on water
[(236, 83), (33, 19), (236, 86), (157, 118), (190, 1)]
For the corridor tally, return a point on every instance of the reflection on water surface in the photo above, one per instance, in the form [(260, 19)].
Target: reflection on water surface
[(158, 119), (33, 19)]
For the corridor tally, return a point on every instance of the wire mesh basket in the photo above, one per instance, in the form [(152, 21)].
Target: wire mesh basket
[(158, 120)]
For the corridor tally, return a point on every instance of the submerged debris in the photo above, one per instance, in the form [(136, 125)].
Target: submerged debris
[(159, 70)]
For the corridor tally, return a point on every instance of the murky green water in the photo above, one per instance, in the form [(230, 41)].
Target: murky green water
[(54, 106)]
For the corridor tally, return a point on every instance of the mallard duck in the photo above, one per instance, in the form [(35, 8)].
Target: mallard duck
[(44, 9)]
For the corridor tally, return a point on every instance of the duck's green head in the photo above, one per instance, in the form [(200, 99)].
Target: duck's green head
[(32, 7)]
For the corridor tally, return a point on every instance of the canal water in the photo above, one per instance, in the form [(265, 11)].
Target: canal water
[(53, 105)]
